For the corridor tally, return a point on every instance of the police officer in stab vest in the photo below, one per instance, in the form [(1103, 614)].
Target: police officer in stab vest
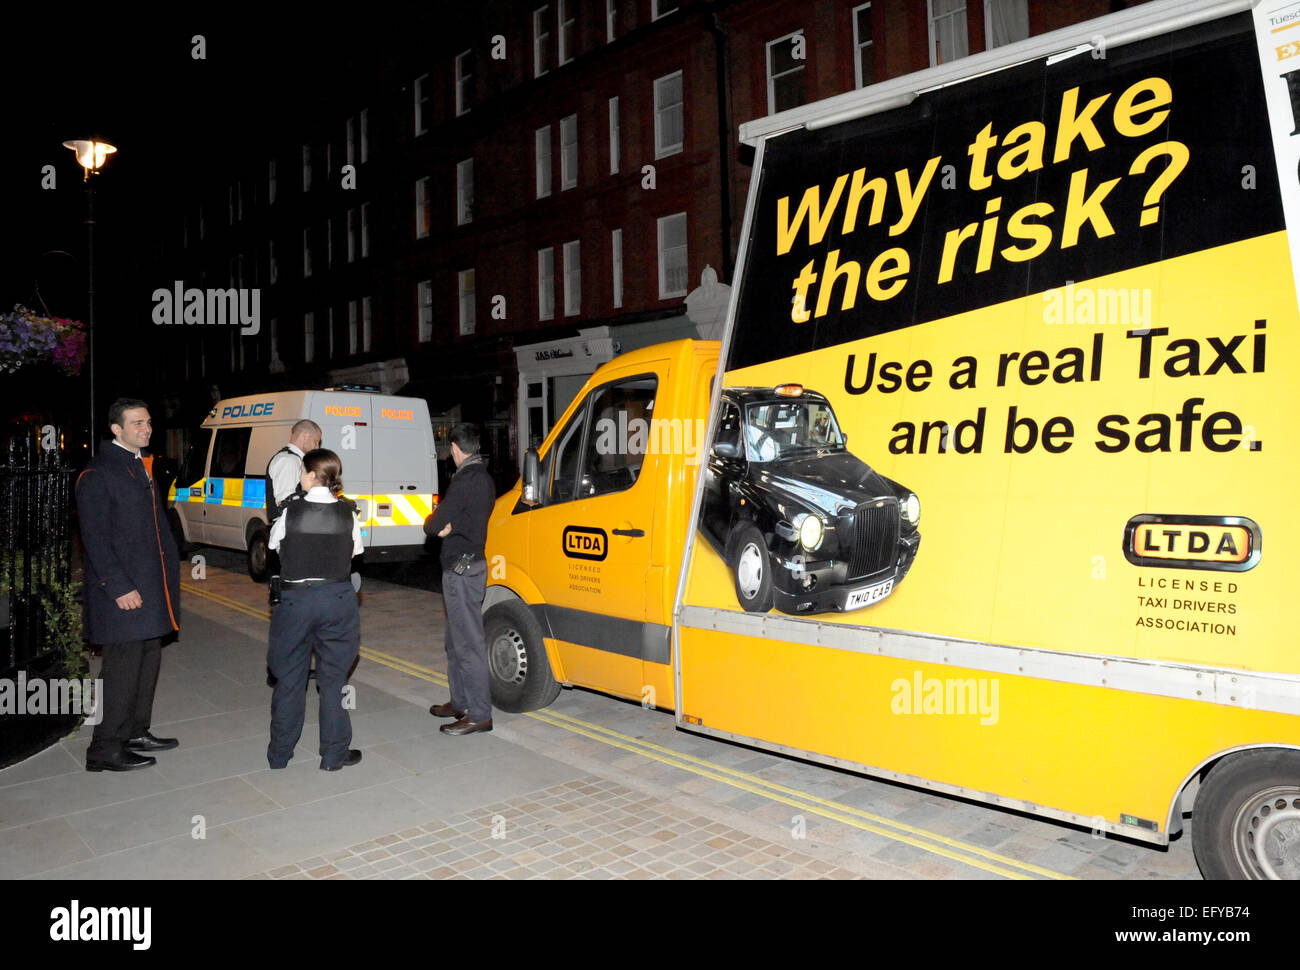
[(282, 474), (317, 536)]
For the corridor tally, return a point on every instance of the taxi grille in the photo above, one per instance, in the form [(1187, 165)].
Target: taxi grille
[(875, 538)]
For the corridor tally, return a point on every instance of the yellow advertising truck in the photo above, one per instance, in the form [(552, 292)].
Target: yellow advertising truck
[(972, 495)]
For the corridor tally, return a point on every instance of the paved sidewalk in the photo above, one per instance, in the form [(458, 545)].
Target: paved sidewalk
[(420, 804)]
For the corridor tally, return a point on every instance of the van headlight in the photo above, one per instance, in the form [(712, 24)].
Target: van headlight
[(810, 530), (911, 509)]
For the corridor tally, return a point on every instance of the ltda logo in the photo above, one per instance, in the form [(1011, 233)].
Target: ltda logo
[(581, 542), (1228, 543)]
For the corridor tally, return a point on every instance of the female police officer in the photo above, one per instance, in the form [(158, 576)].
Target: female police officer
[(317, 536)]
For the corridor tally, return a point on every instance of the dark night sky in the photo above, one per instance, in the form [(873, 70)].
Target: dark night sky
[(130, 78)]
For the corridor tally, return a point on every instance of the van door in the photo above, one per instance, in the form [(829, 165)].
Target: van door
[(223, 498), (403, 478), (591, 540), (190, 486)]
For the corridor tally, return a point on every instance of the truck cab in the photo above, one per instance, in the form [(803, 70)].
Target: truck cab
[(582, 575)]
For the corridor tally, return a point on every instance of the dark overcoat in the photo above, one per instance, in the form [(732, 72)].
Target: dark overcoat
[(128, 546)]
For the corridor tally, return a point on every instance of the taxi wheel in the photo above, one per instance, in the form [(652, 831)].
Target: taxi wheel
[(518, 669), (751, 569), (1246, 818), (257, 555)]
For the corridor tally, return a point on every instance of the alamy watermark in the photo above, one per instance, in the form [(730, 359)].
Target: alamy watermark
[(658, 436), (949, 695), (56, 695), (235, 307), (1088, 306)]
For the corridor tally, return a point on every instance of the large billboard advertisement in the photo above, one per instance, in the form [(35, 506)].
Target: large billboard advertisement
[(1012, 365)]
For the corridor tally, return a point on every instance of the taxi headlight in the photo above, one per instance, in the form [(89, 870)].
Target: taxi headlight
[(810, 530), (911, 509)]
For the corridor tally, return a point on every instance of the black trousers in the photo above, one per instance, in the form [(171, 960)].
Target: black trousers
[(326, 616), (467, 670), (130, 675)]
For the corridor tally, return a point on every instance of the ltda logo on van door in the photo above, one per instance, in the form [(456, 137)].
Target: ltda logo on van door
[(1230, 543), (581, 542)]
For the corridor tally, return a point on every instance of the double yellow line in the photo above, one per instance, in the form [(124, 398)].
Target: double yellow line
[(803, 802)]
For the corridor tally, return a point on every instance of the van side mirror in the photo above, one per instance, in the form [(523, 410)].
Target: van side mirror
[(532, 490)]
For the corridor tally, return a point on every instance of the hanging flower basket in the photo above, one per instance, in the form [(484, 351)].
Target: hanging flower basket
[(26, 338)]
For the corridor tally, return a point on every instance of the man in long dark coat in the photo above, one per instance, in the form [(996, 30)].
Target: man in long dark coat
[(132, 591)]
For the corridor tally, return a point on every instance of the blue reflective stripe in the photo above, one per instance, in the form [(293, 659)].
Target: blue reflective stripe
[(213, 491), (254, 493)]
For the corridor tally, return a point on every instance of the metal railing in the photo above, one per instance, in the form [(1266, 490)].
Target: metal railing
[(35, 544)]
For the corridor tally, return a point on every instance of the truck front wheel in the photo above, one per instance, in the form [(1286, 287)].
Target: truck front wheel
[(1246, 819), (518, 669)]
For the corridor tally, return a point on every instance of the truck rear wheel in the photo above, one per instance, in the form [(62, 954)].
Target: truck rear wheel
[(518, 669), (257, 554), (1246, 820), (751, 569)]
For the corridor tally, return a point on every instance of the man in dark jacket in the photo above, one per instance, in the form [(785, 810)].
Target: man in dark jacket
[(461, 519), (132, 587)]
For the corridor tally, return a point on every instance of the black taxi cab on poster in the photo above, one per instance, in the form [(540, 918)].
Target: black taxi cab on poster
[(801, 523)]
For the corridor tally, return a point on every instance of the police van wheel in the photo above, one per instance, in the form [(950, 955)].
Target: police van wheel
[(183, 548), (751, 569), (519, 672), (257, 555), (1246, 819)]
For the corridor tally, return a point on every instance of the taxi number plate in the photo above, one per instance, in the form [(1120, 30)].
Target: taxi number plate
[(872, 594)]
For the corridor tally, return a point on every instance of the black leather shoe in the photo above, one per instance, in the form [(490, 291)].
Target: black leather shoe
[(147, 742), (126, 761), (354, 756), (446, 710), (466, 726)]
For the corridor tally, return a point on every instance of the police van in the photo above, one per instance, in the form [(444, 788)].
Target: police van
[(390, 469)]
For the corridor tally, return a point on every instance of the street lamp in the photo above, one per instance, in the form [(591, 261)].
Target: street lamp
[(91, 154)]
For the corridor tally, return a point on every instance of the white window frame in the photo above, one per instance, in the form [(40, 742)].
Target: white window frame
[(465, 283), (365, 325), (988, 22), (306, 252), (462, 79), (656, 10), (572, 278), (616, 264), (352, 234), (542, 150), (541, 37), (352, 328), (569, 152), (270, 182), (350, 140), (546, 284), (960, 16), (465, 192), (663, 150), (420, 89), (660, 226), (306, 168), (611, 20), (424, 310), (365, 229), (308, 337), (563, 8), (272, 266), (423, 210), (771, 78), (364, 120), (615, 156), (859, 44)]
